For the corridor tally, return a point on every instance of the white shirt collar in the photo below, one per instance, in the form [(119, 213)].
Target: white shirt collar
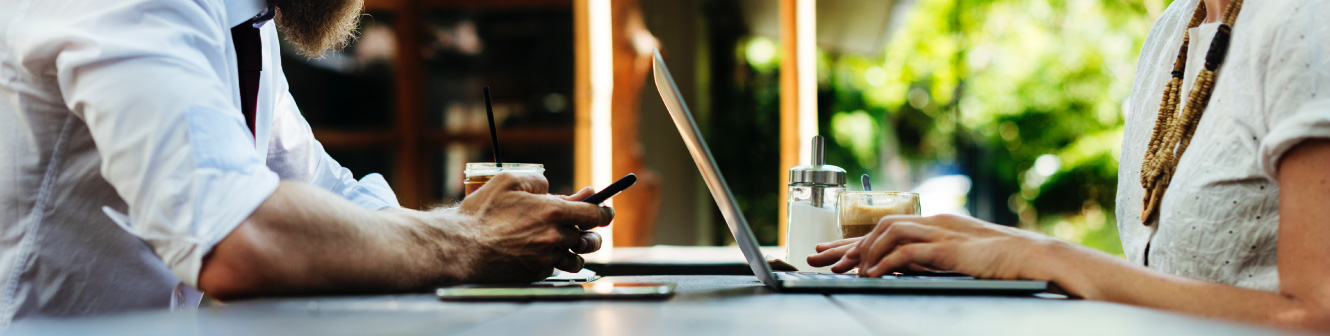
[(239, 11)]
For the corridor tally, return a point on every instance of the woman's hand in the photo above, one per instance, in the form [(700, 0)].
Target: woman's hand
[(831, 252), (944, 242)]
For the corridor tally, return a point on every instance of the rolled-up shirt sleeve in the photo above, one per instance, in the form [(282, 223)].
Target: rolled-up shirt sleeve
[(1296, 86), (295, 154), (149, 80), (1307, 122)]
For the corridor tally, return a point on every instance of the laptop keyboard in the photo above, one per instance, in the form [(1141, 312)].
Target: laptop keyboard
[(849, 276), (818, 276)]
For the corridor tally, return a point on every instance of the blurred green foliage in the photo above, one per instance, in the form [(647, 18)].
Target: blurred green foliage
[(995, 87)]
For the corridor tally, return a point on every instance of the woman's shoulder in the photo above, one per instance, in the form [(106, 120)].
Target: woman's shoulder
[(1285, 46), (1160, 49), (1285, 23), (1167, 29)]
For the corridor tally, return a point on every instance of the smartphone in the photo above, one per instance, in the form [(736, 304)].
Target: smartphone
[(600, 290), (613, 189)]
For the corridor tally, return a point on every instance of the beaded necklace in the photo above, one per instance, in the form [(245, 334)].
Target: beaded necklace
[(1173, 130)]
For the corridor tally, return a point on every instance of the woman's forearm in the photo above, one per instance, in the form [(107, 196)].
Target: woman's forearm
[(1303, 299), (1097, 276)]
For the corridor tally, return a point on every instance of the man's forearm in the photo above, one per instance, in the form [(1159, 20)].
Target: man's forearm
[(305, 240)]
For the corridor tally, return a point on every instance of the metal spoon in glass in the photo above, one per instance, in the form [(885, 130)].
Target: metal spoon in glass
[(867, 187)]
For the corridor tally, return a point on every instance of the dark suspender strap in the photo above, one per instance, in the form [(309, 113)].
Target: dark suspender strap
[(249, 60)]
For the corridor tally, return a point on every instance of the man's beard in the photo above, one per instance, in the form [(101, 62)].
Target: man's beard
[(317, 26)]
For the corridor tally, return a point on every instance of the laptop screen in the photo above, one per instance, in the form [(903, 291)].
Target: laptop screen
[(697, 146)]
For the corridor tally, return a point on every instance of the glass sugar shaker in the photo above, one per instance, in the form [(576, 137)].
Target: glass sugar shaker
[(813, 192)]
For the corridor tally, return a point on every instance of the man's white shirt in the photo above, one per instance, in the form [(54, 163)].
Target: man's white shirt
[(124, 155)]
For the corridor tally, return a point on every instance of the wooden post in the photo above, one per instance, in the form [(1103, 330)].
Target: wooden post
[(409, 180), (798, 91), (594, 89), (636, 208), (582, 95)]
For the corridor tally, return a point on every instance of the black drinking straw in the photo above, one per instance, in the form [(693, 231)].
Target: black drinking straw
[(494, 133)]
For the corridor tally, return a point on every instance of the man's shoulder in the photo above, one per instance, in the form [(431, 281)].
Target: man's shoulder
[(114, 12), (45, 26)]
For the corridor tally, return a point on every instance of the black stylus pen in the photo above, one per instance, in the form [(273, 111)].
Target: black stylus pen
[(613, 189)]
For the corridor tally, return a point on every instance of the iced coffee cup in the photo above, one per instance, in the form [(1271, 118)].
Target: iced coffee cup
[(478, 173), (860, 210)]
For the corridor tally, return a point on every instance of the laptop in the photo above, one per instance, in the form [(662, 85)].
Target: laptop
[(806, 281)]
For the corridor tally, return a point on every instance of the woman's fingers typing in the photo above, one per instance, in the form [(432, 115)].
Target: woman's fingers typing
[(836, 243), (829, 256), (889, 233), (918, 253), (849, 262), (869, 240)]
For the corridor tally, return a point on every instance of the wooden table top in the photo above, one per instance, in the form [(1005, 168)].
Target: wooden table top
[(704, 305)]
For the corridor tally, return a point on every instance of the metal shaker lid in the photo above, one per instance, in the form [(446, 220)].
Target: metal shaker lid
[(818, 173)]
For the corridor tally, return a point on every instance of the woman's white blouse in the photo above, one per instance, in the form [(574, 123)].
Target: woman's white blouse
[(127, 112), (1220, 216)]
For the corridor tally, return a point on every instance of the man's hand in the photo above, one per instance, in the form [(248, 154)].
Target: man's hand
[(518, 233)]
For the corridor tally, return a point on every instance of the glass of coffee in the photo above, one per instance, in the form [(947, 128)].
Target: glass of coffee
[(477, 173), (860, 210)]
